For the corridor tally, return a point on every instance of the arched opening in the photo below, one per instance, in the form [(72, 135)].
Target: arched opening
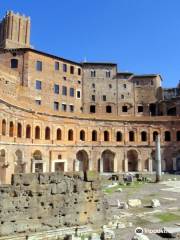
[(131, 136), (58, 134), (108, 109), (132, 156), (171, 111), (70, 135), (2, 167), (94, 135), (47, 133), (83, 161), (155, 134), (19, 130), (118, 136), (37, 155), (38, 165), (3, 127), (107, 159), (178, 136), (178, 162), (143, 136), (19, 165), (152, 109), (167, 136), (28, 131), (106, 136), (82, 135), (11, 129), (37, 132)]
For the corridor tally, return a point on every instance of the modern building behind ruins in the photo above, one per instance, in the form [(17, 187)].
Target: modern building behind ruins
[(61, 115)]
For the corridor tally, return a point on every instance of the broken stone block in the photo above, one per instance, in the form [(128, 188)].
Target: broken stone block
[(134, 202), (155, 203)]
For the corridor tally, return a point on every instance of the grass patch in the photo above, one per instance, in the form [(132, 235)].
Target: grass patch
[(167, 217)]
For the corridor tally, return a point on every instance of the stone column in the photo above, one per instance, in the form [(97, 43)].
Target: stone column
[(139, 165), (158, 159), (150, 165), (76, 165), (101, 165), (126, 165), (174, 164)]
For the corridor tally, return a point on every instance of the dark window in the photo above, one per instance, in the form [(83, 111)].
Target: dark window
[(155, 134), (14, 63), (37, 132), (78, 94), (108, 74), (56, 88), (38, 65), (56, 106), (93, 73), (118, 136), (122, 96), (92, 109), (64, 78), (3, 127), (140, 108), (137, 83), (19, 130), (167, 136), (38, 102), (178, 136), (70, 135), (47, 133), (108, 109), (38, 85), (71, 108), (131, 136), (58, 134), (64, 107), (106, 136), (104, 98), (94, 135), (124, 85), (82, 135), (64, 67), (56, 66), (152, 82), (93, 98), (72, 69), (59, 156), (11, 129), (124, 109), (64, 90), (110, 85), (79, 82), (28, 131), (143, 136), (93, 85), (71, 92), (79, 71)]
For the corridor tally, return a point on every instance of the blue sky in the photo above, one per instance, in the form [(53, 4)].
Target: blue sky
[(141, 36)]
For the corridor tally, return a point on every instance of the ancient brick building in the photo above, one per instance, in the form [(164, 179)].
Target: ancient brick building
[(61, 115)]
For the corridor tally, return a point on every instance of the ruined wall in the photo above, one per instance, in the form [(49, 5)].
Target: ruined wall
[(38, 202)]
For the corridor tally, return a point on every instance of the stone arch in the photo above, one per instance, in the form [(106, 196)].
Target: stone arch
[(11, 129), (82, 135), (19, 130), (37, 155), (132, 156), (107, 161), (37, 162), (28, 131), (106, 136), (3, 127), (37, 132), (94, 135), (58, 134), (82, 159), (19, 165), (47, 133), (2, 166), (70, 135)]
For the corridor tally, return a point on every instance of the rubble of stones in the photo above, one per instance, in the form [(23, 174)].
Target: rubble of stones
[(42, 201)]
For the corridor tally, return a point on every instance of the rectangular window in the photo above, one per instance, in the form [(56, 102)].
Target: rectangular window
[(108, 74), (64, 67), (38, 85), (71, 108), (56, 106), (124, 109), (79, 71), (92, 109), (64, 91), (64, 107), (93, 98), (71, 69), (72, 92), (78, 94), (93, 73), (56, 66), (137, 82), (140, 108), (56, 88), (104, 98), (38, 102), (124, 85), (38, 65)]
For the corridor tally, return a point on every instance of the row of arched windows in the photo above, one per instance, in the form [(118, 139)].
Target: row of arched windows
[(82, 134)]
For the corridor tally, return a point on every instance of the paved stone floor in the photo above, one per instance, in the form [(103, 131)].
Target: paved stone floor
[(167, 215)]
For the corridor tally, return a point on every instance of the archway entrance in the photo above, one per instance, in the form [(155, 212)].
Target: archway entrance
[(108, 161), (19, 165), (153, 156), (132, 156), (178, 163), (83, 161), (38, 164), (2, 166)]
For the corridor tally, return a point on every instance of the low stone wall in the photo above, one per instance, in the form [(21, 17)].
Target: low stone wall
[(44, 201)]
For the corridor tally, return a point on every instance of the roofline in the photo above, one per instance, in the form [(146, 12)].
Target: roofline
[(147, 75), (125, 73), (42, 53), (99, 63)]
